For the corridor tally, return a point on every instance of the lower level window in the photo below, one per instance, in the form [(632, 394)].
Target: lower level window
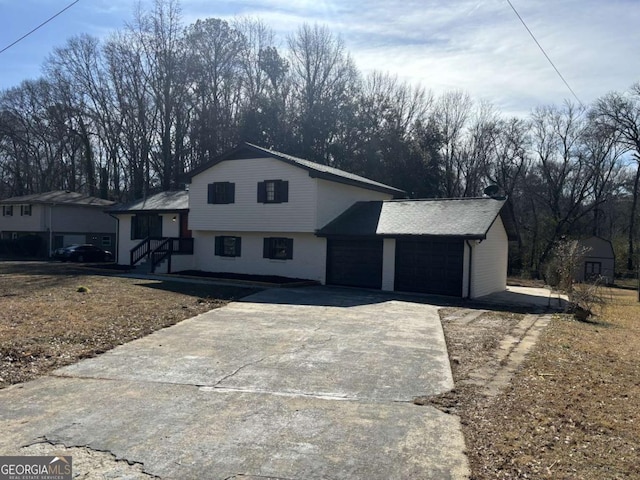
[(228, 246), (278, 248)]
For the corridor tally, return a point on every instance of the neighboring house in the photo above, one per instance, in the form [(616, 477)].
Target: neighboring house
[(599, 260), (60, 218), (257, 211), (141, 223), (456, 247)]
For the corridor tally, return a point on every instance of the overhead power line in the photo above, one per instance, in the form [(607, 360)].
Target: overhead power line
[(39, 26), (545, 53)]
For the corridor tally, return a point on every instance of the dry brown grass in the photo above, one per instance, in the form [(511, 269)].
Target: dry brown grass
[(573, 410), (45, 322)]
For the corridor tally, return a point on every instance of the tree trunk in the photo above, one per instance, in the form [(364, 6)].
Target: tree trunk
[(632, 219)]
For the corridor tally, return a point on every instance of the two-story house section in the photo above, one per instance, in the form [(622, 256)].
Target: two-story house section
[(256, 211), (60, 218)]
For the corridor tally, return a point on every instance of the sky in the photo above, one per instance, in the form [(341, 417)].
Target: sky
[(478, 46)]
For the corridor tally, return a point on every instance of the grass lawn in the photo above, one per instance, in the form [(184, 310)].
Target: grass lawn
[(573, 410), (45, 322)]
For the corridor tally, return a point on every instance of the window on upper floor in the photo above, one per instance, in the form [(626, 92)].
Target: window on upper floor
[(228, 246), (146, 225), (7, 210), (25, 210), (273, 191), (221, 192), (278, 248)]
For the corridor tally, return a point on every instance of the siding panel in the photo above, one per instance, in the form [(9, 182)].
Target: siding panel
[(490, 257), (246, 214), (309, 255)]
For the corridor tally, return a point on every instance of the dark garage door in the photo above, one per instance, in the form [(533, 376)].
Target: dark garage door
[(429, 266), (355, 263)]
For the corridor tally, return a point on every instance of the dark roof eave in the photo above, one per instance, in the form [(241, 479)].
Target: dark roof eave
[(138, 210), (470, 236), (312, 172)]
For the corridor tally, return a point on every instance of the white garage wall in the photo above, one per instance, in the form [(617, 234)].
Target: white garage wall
[(388, 264), (489, 262), (309, 255)]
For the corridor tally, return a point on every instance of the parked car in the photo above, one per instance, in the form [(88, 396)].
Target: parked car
[(82, 253)]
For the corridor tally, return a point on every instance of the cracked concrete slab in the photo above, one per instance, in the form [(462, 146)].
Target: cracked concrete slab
[(297, 384)]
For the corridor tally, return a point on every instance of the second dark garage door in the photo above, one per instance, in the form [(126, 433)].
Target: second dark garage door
[(355, 263), (429, 266)]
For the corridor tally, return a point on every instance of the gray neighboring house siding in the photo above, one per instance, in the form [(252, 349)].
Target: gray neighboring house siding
[(59, 218)]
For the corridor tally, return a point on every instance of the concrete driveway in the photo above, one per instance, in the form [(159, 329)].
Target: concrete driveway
[(310, 383)]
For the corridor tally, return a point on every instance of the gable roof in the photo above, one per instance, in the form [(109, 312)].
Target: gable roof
[(160, 202), (58, 197), (461, 218), (316, 170)]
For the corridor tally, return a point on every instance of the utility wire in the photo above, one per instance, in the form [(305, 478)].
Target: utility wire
[(545, 53), (39, 26)]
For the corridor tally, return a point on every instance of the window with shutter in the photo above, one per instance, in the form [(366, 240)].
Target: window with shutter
[(278, 248), (221, 192), (273, 191), (228, 246)]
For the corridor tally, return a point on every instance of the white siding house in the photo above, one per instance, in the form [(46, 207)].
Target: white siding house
[(258, 212), (269, 235)]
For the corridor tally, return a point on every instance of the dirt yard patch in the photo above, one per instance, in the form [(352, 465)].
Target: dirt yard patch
[(571, 409), (54, 314)]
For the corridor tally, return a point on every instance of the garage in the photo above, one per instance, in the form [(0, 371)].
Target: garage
[(453, 247), (432, 266), (354, 262)]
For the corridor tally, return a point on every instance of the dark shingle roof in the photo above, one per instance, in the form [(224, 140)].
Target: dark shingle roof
[(59, 197), (248, 150), (463, 218), (160, 202)]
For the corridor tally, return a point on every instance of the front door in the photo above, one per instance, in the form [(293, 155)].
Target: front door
[(184, 226)]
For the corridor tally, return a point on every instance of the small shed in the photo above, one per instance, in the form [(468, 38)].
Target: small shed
[(599, 260)]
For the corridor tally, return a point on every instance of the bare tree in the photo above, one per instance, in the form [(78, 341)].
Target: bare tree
[(215, 73), (566, 179), (325, 80), (452, 113), (621, 112)]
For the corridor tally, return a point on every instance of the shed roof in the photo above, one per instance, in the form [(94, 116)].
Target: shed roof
[(462, 218), (249, 150), (58, 197), (170, 201)]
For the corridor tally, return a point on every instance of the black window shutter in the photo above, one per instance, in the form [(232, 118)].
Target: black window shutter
[(266, 248), (133, 227), (289, 248), (262, 192), (210, 193), (231, 192), (238, 246), (283, 191), (218, 246)]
